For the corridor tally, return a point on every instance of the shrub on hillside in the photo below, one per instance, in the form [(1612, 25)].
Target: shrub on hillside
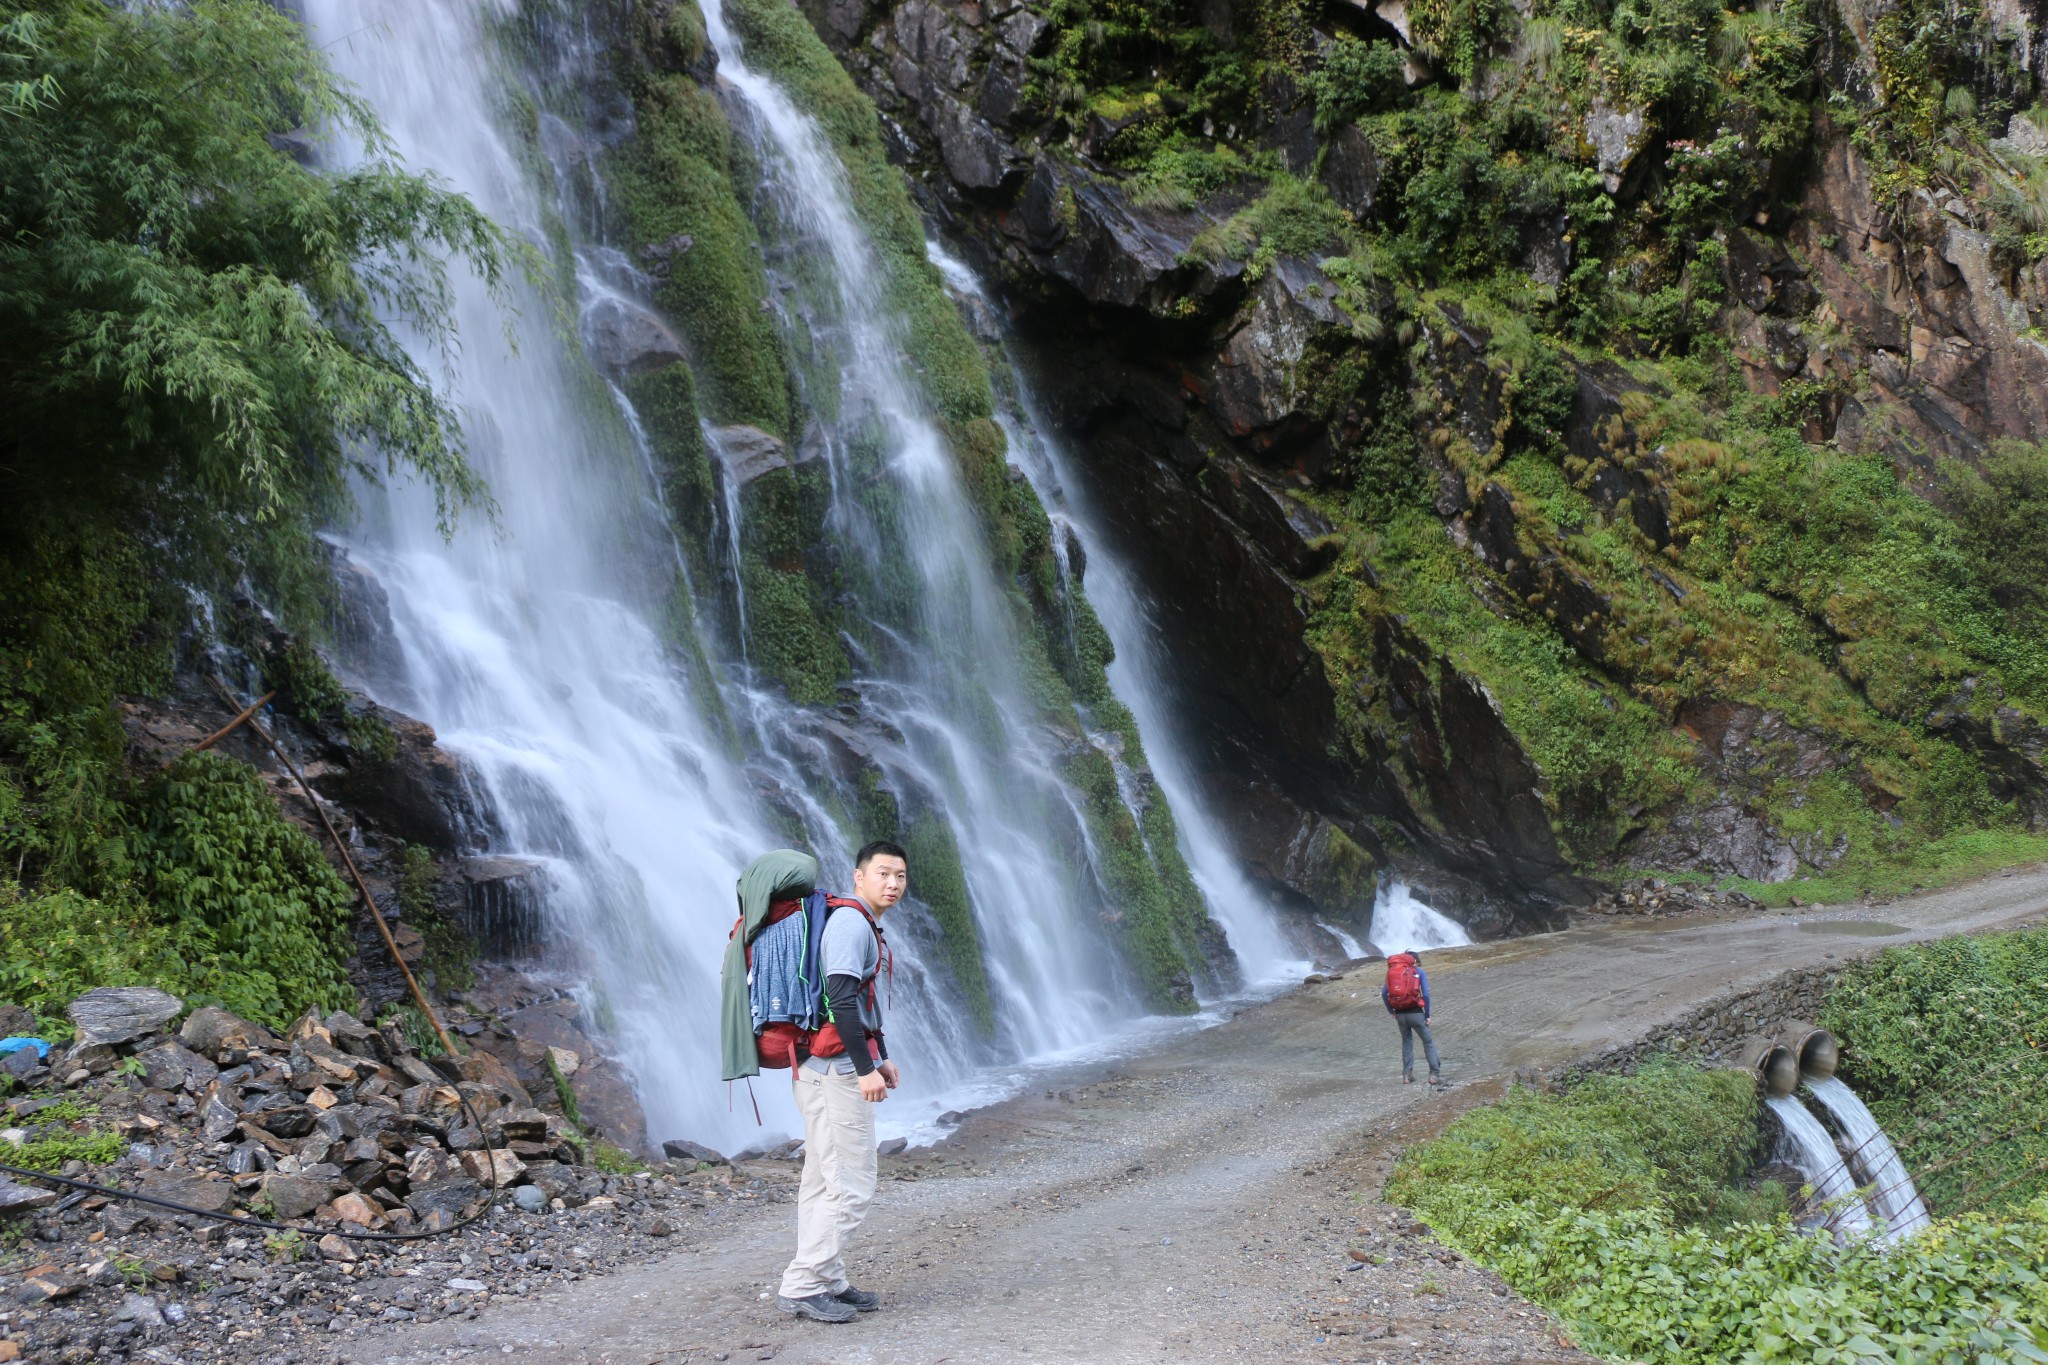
[(1582, 1200), (1944, 1042)]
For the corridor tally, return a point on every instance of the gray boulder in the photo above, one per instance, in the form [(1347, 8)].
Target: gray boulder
[(121, 1014)]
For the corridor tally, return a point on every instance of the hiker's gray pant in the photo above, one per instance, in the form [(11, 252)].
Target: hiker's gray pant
[(839, 1176), (1412, 1023)]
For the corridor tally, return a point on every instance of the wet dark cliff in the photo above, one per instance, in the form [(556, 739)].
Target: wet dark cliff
[(1560, 439)]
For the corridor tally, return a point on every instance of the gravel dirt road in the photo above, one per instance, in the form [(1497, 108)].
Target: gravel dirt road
[(1199, 1204)]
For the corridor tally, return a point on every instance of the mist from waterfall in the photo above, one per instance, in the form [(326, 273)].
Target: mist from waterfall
[(544, 651)]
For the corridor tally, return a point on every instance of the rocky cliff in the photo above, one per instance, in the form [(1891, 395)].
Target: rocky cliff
[(1559, 438)]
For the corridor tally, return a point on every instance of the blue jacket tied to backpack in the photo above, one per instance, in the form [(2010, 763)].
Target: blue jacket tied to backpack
[(784, 985)]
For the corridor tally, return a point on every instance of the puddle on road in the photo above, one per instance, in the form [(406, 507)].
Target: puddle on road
[(1851, 928)]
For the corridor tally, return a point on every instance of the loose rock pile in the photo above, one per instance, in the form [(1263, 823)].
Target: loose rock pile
[(338, 1127), (337, 1121), (1655, 898)]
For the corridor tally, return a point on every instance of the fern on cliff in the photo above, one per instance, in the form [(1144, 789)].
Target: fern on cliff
[(185, 307)]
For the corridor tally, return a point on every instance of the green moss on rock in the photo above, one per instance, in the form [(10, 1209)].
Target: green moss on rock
[(675, 193), (937, 879)]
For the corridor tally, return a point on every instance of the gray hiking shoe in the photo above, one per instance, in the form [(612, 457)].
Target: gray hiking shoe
[(817, 1307), (860, 1300)]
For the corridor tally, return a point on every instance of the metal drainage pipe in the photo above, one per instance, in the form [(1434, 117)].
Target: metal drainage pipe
[(1776, 1065), (1815, 1048)]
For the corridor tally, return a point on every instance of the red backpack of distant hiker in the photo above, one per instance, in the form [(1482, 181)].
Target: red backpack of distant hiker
[(1404, 982)]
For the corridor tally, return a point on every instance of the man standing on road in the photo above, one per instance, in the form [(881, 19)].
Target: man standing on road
[(837, 1087), (1406, 996)]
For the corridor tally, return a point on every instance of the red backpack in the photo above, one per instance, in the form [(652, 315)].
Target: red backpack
[(1404, 982), (783, 1044)]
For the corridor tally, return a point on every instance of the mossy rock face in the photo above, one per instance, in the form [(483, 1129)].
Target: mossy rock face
[(786, 637), (939, 882), (676, 198), (666, 401)]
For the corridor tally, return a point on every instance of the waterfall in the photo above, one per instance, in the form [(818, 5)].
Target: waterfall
[(1137, 675), (1353, 949), (545, 650), (1891, 1188), (1813, 1152), (1401, 923), (532, 646)]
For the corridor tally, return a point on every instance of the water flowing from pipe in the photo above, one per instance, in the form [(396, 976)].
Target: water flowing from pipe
[(1401, 923), (1891, 1186), (1814, 1153)]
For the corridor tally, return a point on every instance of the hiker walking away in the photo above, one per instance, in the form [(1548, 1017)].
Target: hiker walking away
[(847, 1073), (1406, 996)]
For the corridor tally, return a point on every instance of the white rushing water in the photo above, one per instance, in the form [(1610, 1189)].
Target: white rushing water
[(536, 647), (1401, 923), (1353, 949), (1890, 1186), (1137, 675), (530, 646), (1814, 1153)]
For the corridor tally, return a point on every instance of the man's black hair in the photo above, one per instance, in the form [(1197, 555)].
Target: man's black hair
[(869, 852)]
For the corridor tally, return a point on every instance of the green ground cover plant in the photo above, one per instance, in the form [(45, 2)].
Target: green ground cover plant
[(1611, 1205), (1944, 1042)]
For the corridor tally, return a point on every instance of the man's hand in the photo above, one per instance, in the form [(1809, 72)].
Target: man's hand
[(890, 1076), (873, 1088)]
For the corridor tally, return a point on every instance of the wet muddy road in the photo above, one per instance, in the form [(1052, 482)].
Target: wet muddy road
[(1198, 1204)]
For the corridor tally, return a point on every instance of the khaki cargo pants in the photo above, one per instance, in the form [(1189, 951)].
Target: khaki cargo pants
[(839, 1175)]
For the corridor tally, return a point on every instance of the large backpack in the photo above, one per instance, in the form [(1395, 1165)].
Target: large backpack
[(1404, 982), (785, 983)]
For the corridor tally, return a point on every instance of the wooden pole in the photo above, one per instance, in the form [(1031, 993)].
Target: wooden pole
[(419, 996)]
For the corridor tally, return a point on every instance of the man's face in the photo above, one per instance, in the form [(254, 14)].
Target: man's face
[(881, 881)]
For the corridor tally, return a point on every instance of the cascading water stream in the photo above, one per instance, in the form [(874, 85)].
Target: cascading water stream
[(1891, 1188), (1401, 923), (1136, 675), (1814, 1153), (944, 689), (529, 645), (542, 648)]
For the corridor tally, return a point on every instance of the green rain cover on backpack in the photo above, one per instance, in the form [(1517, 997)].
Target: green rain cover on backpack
[(783, 874)]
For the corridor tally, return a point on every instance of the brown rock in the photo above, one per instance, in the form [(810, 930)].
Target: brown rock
[(211, 1030), (354, 1208), (335, 1248), (482, 1166), (520, 1125), (54, 1284)]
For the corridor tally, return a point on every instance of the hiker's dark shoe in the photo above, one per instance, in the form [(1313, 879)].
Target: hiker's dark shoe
[(817, 1307), (860, 1300)]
